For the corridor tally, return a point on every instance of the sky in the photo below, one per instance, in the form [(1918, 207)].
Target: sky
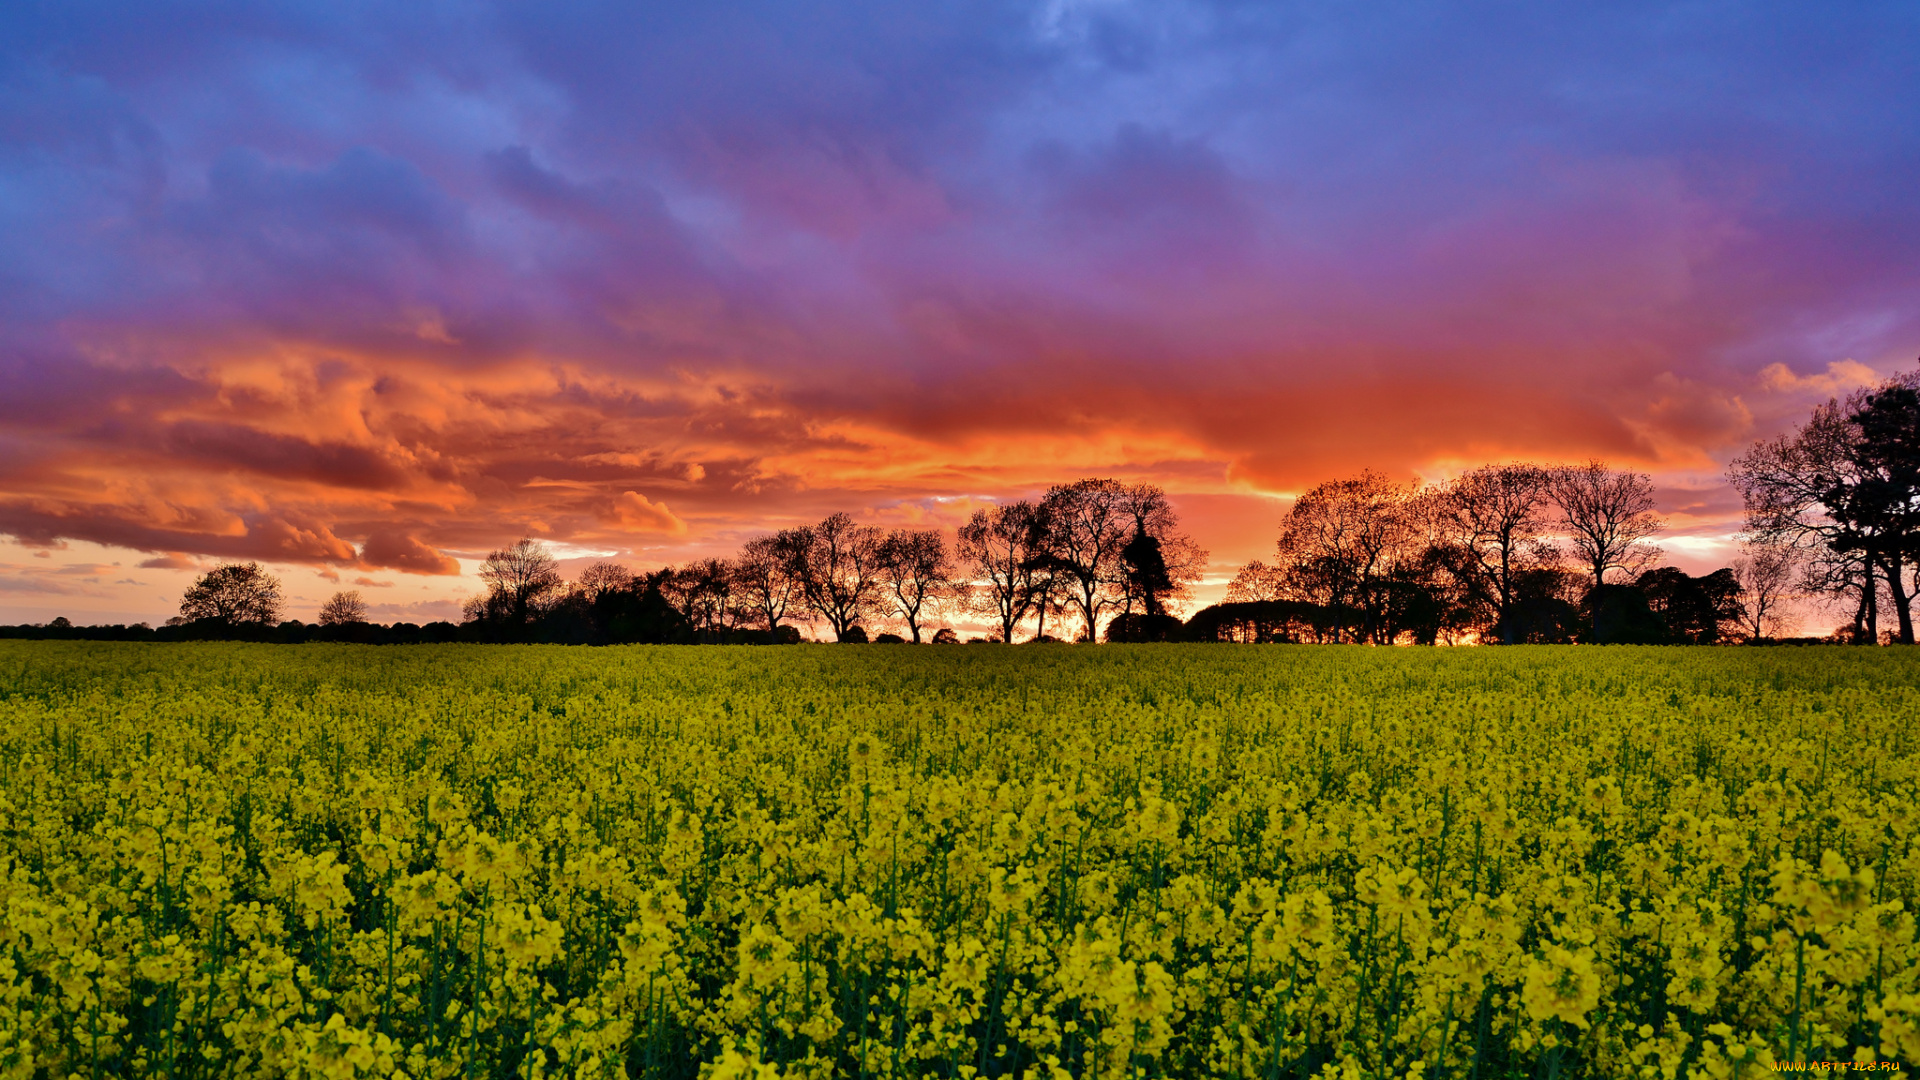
[(363, 290)]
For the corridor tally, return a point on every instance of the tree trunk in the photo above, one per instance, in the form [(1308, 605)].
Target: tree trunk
[(1870, 605), (1902, 601), (1506, 595)]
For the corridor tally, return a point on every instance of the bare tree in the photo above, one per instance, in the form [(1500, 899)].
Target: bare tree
[(703, 593), (343, 609), (1608, 516), (519, 578), (1342, 542), (1493, 519), (764, 575), (234, 594), (1088, 526), (1053, 593), (839, 572), (1767, 574), (1255, 582), (714, 606), (1052, 582), (1000, 546), (916, 570), (604, 577)]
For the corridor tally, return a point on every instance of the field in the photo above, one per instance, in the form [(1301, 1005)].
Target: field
[(469, 861)]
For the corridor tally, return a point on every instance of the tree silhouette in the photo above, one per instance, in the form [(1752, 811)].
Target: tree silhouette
[(1878, 504), (604, 578), (234, 594), (1343, 543), (916, 571), (1088, 525), (1696, 610), (1832, 490), (1494, 520), (1766, 574), (838, 568), (764, 573), (343, 609), (1607, 515), (519, 579), (1000, 546)]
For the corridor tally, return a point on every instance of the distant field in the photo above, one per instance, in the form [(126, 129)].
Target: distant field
[(233, 860)]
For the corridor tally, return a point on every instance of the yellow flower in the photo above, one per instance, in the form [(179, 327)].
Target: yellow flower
[(764, 958), (1562, 984)]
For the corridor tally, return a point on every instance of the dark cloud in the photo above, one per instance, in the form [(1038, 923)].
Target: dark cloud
[(398, 551), (240, 447), (277, 537)]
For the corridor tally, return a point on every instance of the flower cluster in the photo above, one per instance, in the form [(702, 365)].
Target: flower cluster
[(466, 861)]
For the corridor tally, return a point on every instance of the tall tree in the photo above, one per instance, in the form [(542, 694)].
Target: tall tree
[(1000, 547), (839, 572), (1053, 593), (1766, 574), (343, 609), (1156, 571), (1878, 503), (1696, 610), (703, 590), (1148, 579), (235, 594), (1343, 543), (1494, 520), (1089, 524), (519, 579), (603, 578), (1798, 491), (764, 573), (916, 572), (1607, 515), (1159, 566)]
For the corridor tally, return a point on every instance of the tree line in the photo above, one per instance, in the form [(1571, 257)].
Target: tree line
[(1513, 553), (1519, 552), (1088, 556)]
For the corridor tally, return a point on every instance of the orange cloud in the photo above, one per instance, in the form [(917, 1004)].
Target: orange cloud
[(634, 511), (172, 560), (1840, 377), (377, 460)]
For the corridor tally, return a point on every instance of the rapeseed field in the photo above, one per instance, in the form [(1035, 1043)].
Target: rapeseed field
[(469, 861)]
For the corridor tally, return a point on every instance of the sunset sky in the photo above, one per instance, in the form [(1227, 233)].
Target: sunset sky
[(361, 290)]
